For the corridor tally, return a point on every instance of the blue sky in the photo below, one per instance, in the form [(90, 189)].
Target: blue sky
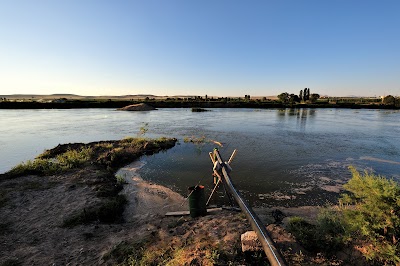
[(222, 48)]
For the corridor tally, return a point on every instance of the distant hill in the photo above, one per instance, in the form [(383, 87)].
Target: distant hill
[(74, 96)]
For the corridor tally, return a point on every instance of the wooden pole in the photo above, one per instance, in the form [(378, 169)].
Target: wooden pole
[(273, 254)]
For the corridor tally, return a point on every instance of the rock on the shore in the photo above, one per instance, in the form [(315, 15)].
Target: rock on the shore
[(137, 107), (250, 242)]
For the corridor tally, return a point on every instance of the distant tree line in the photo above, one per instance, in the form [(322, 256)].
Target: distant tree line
[(284, 99), (304, 96)]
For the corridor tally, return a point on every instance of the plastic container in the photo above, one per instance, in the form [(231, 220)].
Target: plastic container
[(197, 201)]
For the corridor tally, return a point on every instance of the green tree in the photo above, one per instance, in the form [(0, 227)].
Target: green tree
[(283, 97), (314, 97), (293, 98), (301, 95), (306, 94), (389, 100)]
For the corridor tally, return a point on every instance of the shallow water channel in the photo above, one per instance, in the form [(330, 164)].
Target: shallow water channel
[(285, 156)]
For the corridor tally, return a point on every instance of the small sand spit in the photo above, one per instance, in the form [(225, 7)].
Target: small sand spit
[(137, 107)]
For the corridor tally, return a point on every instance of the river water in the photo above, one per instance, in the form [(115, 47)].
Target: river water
[(289, 156)]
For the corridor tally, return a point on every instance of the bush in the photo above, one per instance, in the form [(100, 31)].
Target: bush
[(368, 215), (304, 232), (326, 235), (371, 213), (330, 233)]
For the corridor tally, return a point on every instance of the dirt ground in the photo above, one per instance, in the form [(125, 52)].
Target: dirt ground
[(34, 208)]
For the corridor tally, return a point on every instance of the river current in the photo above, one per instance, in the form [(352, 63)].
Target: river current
[(296, 155)]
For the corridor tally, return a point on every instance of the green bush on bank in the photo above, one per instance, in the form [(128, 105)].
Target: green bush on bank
[(368, 215), (326, 235), (371, 213)]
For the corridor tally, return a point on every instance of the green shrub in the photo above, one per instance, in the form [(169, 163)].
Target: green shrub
[(371, 212), (330, 232), (367, 215), (326, 235), (304, 232)]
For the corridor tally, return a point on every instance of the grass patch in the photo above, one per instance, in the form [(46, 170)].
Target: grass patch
[(35, 167), (131, 141), (48, 166), (126, 253), (109, 211), (196, 140), (74, 158), (145, 252), (326, 235), (109, 154), (303, 231), (105, 145), (120, 180), (189, 248)]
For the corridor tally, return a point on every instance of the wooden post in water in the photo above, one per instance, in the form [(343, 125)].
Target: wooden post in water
[(273, 255)]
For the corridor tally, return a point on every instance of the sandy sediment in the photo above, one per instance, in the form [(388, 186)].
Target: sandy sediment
[(37, 206)]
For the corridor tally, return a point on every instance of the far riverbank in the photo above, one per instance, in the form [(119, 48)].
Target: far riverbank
[(179, 103)]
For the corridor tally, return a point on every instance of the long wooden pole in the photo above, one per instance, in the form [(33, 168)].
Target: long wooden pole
[(273, 255)]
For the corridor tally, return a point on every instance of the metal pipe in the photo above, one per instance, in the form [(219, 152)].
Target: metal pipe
[(273, 255)]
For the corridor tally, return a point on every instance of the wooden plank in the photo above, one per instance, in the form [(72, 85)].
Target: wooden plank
[(181, 213)]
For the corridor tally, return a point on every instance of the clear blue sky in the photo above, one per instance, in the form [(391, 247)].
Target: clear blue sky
[(218, 47)]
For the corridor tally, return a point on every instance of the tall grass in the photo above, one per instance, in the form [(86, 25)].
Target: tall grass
[(67, 160)]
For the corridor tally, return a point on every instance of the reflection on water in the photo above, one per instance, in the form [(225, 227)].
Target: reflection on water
[(291, 156)]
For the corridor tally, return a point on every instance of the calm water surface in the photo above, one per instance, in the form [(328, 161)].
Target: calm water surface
[(288, 155)]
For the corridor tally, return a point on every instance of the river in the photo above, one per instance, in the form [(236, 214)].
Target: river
[(296, 155)]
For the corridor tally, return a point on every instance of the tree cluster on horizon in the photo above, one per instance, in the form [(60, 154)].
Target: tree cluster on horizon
[(304, 96)]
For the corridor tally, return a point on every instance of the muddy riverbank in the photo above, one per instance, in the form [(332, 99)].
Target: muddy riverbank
[(69, 208)]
